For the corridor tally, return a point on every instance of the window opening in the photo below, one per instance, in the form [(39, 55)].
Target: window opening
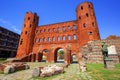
[(63, 38), (69, 38), (84, 25), (81, 7), (58, 38), (74, 37)]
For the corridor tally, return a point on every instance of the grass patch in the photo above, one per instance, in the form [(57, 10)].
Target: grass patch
[(98, 72), (2, 60)]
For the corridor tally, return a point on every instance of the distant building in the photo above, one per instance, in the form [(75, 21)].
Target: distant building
[(8, 43)]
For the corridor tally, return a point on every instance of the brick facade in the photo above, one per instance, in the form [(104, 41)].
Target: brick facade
[(70, 35)]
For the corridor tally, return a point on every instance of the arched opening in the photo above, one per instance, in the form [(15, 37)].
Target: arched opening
[(44, 55), (59, 55), (74, 59)]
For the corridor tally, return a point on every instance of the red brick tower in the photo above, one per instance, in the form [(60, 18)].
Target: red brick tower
[(87, 24), (27, 34)]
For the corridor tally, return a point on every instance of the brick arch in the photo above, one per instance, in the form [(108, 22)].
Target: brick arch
[(55, 53)]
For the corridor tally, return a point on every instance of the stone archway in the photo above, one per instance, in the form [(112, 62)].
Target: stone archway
[(74, 58), (45, 53), (57, 55)]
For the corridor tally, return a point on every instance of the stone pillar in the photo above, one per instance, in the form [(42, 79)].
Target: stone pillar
[(108, 63)]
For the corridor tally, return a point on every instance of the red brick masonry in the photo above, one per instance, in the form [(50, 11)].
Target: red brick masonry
[(70, 35)]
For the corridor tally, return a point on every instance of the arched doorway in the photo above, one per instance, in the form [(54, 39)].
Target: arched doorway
[(74, 59), (44, 55), (59, 55)]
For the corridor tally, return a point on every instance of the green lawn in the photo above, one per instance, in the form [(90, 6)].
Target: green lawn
[(98, 72), (94, 72)]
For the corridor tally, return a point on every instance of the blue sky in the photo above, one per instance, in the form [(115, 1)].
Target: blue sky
[(107, 12)]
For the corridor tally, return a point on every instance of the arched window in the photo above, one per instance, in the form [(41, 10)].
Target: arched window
[(74, 37), (44, 39), (30, 25), (84, 25), (44, 30), (63, 38), (40, 39), (53, 29), (93, 24), (90, 33), (36, 40), (69, 38), (81, 7), (40, 31), (58, 38), (68, 27), (48, 39), (87, 15), (58, 29), (63, 28), (48, 30), (74, 27), (25, 32), (28, 18), (53, 38)]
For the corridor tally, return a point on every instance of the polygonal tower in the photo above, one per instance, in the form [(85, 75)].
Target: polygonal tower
[(87, 24), (27, 35)]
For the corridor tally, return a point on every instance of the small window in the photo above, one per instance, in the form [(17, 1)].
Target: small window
[(53, 38), (69, 38), (87, 15), (90, 33), (81, 7), (58, 29), (21, 41), (68, 27), (44, 39), (28, 18), (63, 28), (53, 29), (63, 38), (84, 25), (79, 17), (30, 25), (40, 31), (58, 38), (40, 39), (25, 32), (48, 30), (74, 27), (36, 40), (48, 39), (74, 37), (89, 5), (93, 24), (34, 20), (44, 30)]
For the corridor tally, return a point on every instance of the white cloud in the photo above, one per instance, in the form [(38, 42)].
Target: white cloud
[(11, 26)]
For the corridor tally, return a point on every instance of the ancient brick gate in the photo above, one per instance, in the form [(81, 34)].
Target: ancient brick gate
[(51, 54), (70, 35)]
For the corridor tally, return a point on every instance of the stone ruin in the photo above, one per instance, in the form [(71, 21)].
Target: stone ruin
[(47, 71), (92, 53), (10, 67)]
